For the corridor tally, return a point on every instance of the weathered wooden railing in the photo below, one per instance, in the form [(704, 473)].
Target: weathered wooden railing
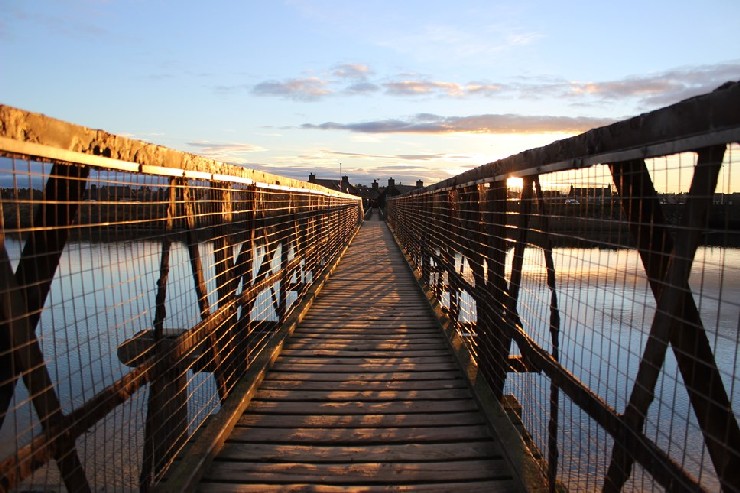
[(138, 286), (611, 248)]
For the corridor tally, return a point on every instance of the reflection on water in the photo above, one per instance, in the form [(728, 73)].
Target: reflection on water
[(607, 308), (104, 293)]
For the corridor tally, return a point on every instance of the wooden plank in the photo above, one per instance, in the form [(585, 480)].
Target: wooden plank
[(382, 322), (344, 336), (493, 486), (392, 327), (347, 307), (366, 436), (362, 395), (392, 407), (268, 452), (357, 421), (383, 362), (357, 353), (369, 473), (367, 368), (372, 313), (394, 376), (411, 345), (355, 385)]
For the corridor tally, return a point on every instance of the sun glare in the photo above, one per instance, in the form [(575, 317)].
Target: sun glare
[(516, 183)]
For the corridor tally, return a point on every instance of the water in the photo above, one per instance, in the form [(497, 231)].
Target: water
[(104, 293), (607, 308)]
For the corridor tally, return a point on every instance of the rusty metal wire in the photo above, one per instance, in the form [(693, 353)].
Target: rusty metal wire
[(133, 299), (601, 303)]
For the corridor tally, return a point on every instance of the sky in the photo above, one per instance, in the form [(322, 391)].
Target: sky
[(414, 90)]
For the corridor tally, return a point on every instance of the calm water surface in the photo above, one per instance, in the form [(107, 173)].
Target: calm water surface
[(104, 293)]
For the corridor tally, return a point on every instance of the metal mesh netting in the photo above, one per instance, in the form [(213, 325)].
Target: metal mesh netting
[(133, 302), (614, 290)]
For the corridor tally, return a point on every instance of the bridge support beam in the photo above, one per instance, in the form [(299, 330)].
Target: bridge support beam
[(668, 265)]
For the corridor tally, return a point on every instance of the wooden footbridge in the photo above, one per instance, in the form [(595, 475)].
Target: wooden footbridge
[(365, 395), (562, 319)]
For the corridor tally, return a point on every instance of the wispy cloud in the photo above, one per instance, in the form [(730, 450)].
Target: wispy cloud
[(489, 123), (661, 88), (307, 89), (408, 87), (354, 79), (352, 71), (421, 87), (362, 88)]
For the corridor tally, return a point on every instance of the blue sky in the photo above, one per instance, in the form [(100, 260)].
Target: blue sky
[(408, 89)]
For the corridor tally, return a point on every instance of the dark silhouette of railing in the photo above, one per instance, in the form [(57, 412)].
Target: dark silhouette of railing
[(589, 265), (130, 274)]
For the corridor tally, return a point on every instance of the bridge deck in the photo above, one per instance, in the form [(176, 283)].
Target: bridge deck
[(366, 396)]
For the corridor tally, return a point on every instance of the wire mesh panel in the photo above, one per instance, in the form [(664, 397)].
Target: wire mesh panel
[(134, 296), (600, 296)]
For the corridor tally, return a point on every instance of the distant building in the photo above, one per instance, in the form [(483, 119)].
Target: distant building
[(373, 196)]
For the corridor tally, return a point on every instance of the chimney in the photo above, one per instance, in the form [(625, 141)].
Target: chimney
[(375, 184), (391, 182), (345, 183), (419, 184), (311, 178)]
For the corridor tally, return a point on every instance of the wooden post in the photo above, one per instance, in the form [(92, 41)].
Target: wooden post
[(225, 287), (243, 273), (552, 427), (284, 240), (426, 225), (493, 332), (167, 408), (437, 245), (449, 255), (196, 266)]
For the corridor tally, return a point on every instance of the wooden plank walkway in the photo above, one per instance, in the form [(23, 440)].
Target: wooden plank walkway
[(366, 396)]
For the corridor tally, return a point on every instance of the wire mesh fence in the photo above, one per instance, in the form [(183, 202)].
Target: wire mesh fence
[(135, 294), (600, 297)]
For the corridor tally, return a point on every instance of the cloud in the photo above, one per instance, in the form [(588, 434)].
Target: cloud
[(352, 71), (453, 89), (421, 157), (417, 88), (307, 89), (489, 123), (362, 88), (653, 90)]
